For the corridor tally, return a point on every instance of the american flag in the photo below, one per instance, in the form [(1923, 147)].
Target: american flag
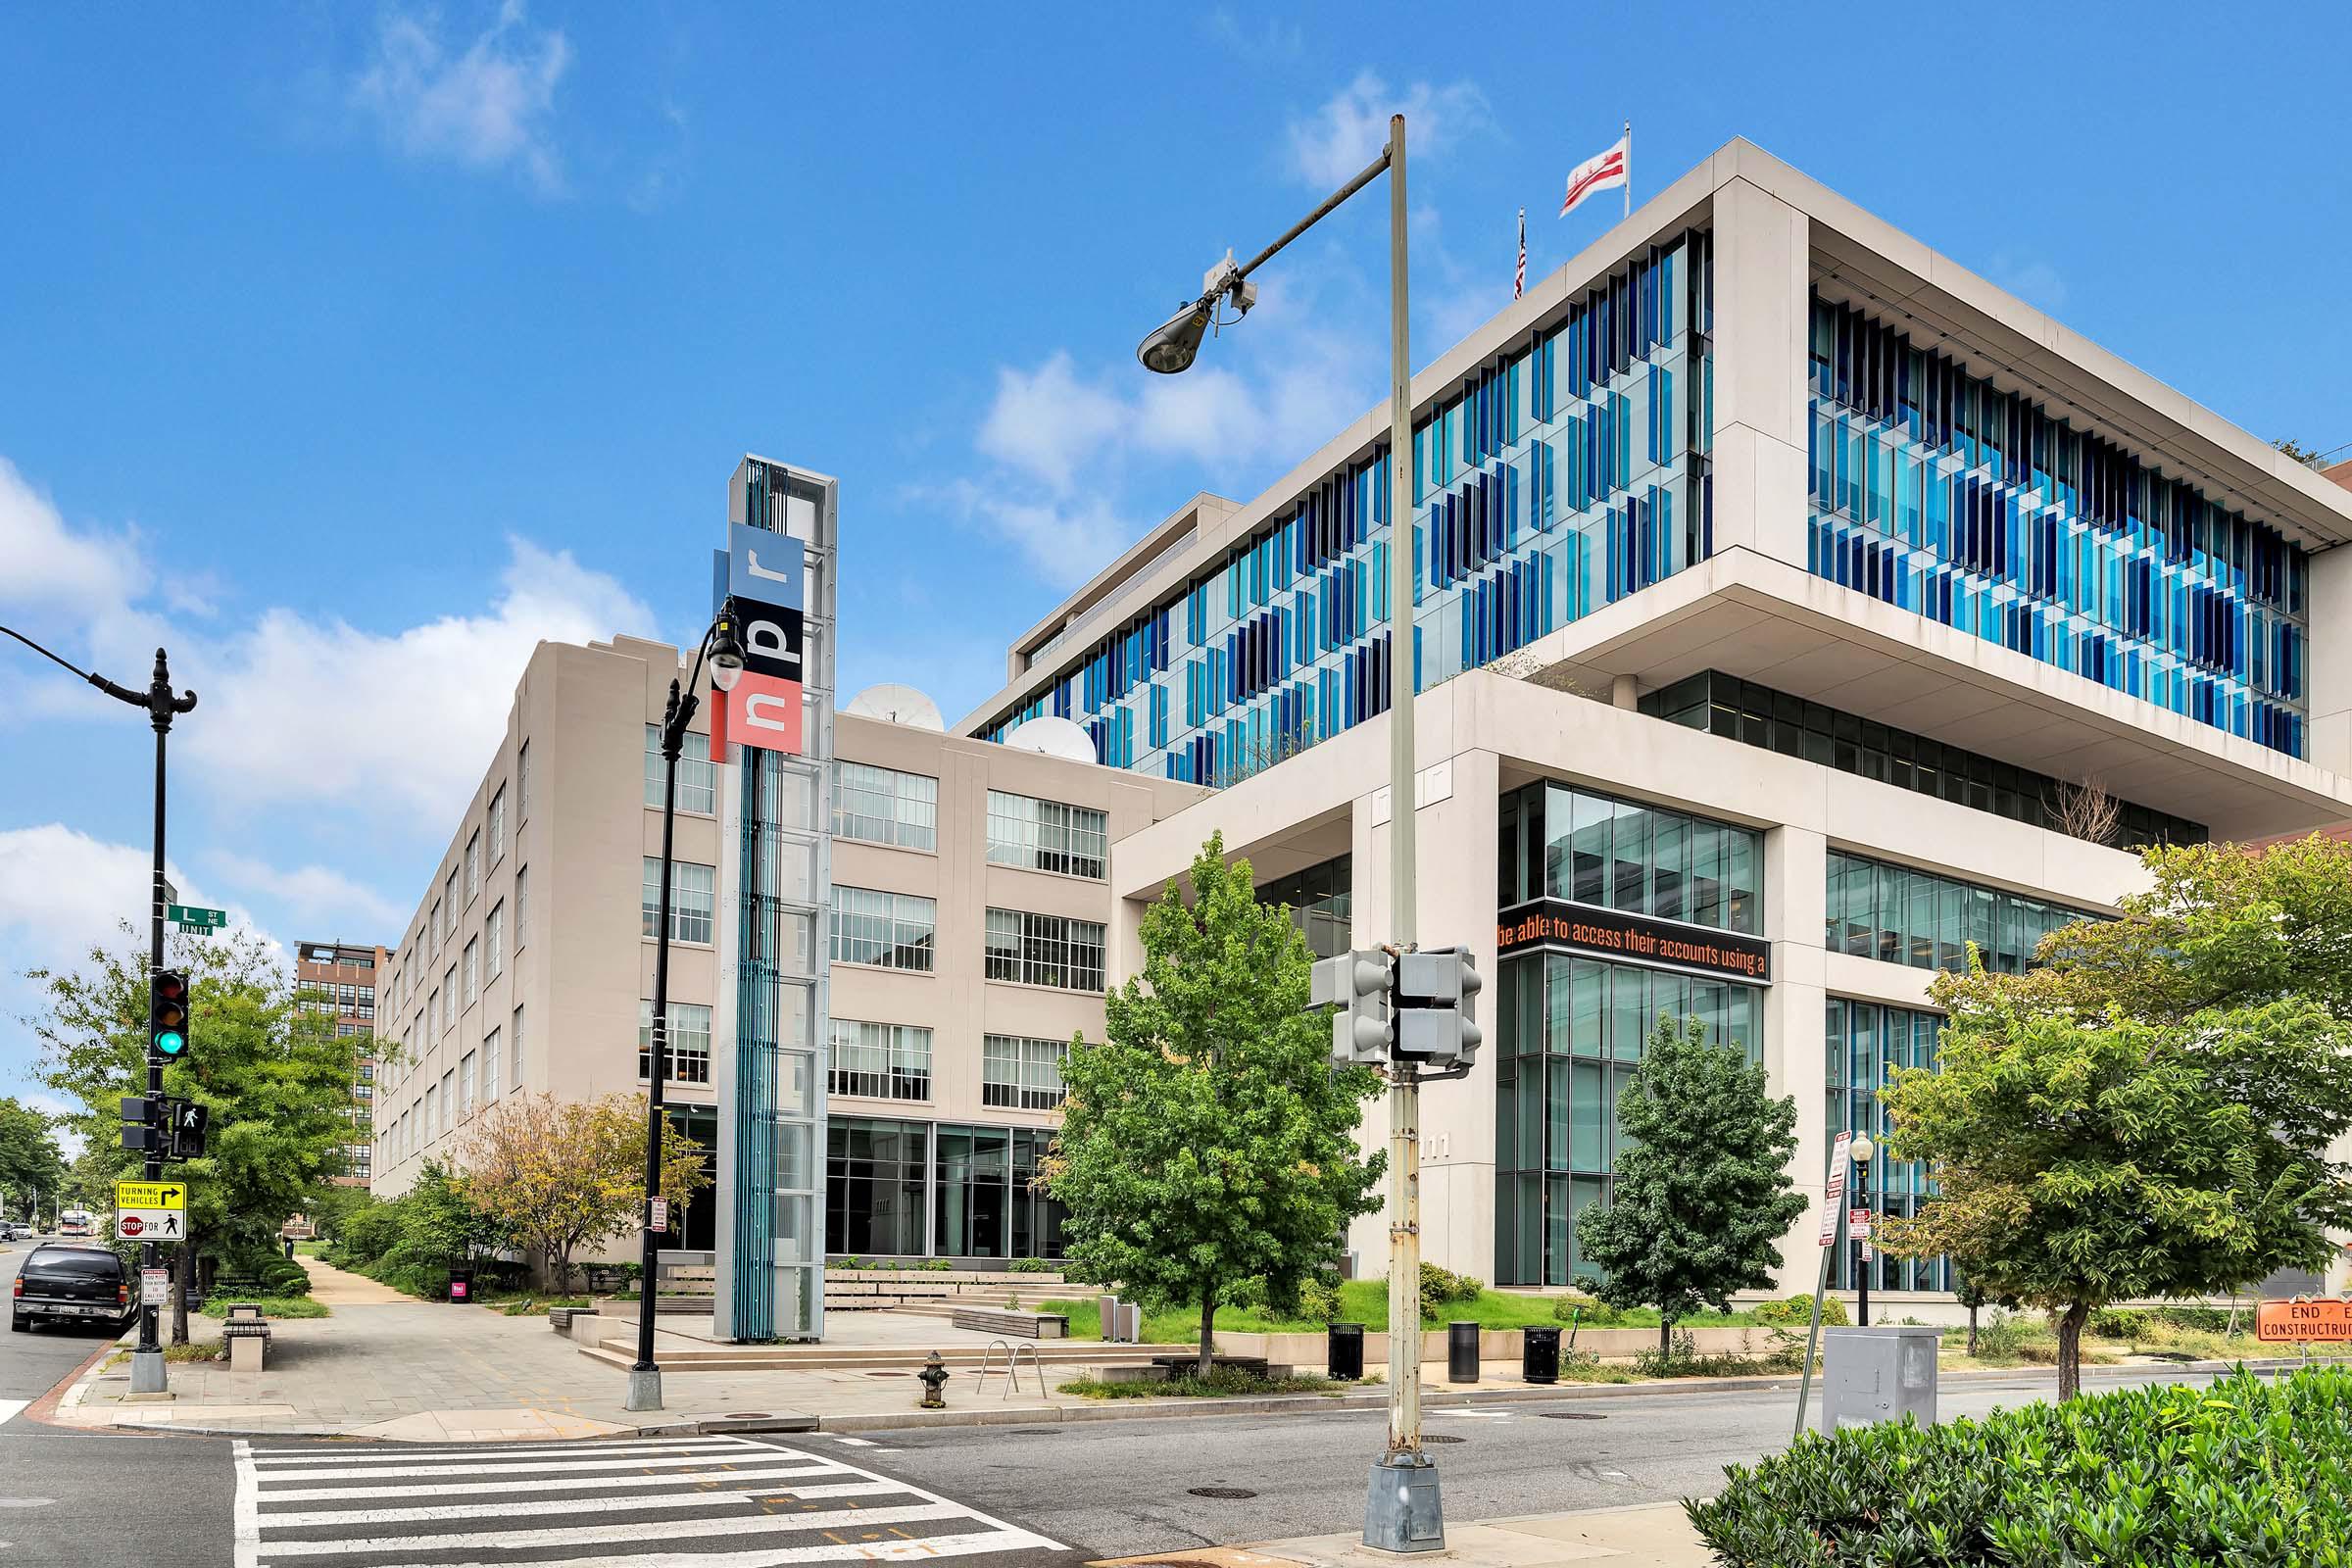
[(1519, 278), (1606, 172)]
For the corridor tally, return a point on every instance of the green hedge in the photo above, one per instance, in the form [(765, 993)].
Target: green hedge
[(2243, 1473)]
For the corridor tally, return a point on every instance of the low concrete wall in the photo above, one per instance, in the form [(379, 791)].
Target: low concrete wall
[(1493, 1344), (879, 1289)]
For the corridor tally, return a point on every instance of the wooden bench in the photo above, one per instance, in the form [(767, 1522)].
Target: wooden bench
[(246, 1333), (1012, 1324)]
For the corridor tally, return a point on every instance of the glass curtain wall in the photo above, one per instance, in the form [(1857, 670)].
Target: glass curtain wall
[(1562, 842), (904, 1189), (1320, 898), (1864, 1044), (1898, 915)]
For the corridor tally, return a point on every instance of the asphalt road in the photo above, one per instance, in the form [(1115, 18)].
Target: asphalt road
[(997, 1496)]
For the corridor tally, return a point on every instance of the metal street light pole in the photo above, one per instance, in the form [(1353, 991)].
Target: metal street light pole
[(726, 663), (1863, 1154), (162, 705), (1402, 1506)]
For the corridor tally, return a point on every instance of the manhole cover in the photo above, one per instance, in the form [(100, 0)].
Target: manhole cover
[(1567, 1415), (1223, 1493), (1438, 1436)]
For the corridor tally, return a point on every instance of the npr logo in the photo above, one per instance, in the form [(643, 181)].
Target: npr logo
[(767, 575)]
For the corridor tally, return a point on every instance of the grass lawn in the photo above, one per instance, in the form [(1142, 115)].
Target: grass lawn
[(1365, 1301), (310, 1249), (536, 1306), (1224, 1382), (282, 1307)]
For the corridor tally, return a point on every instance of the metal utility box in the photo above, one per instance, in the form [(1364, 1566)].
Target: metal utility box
[(1878, 1374)]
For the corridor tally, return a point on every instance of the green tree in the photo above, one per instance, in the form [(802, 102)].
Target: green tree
[(1702, 1196), (33, 1171), (275, 1080), (566, 1175), (1208, 1140), (2089, 1159)]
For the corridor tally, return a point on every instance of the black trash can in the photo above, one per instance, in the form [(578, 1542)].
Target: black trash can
[(1540, 1355), (1343, 1350), (461, 1283), (1461, 1352)]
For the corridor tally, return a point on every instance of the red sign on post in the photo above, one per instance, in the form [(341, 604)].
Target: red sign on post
[(1836, 1192), (1857, 1224), (2302, 1321)]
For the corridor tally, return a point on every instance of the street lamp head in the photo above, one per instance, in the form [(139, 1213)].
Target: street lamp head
[(1174, 346), (1863, 1150), (726, 651)]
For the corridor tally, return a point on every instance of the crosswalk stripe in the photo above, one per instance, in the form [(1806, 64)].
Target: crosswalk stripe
[(593, 1535), (9, 1409), (915, 1548), (428, 1512), (642, 1462), (519, 1454), (748, 1472)]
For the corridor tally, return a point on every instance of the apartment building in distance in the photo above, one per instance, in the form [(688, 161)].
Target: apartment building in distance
[(336, 981), (1783, 586)]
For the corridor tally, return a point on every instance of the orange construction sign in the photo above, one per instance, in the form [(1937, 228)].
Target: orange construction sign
[(2327, 1318)]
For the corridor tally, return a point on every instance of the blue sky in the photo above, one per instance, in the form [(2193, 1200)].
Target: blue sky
[(350, 350)]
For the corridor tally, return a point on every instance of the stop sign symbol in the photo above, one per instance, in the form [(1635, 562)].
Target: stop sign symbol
[(133, 1225)]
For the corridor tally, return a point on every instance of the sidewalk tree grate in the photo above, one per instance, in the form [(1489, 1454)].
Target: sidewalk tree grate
[(1568, 1415), (1222, 1494), (1439, 1437)]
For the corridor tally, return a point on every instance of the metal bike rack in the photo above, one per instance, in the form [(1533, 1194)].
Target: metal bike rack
[(1013, 1368)]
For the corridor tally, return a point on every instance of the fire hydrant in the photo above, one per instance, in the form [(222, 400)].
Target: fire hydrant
[(933, 1377)]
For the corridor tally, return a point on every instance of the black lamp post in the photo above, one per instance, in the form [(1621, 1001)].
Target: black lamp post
[(726, 653), (1863, 1154)]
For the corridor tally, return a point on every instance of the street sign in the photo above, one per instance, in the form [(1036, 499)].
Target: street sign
[(152, 1195), (155, 1287), (2327, 1318), (151, 1224), (1857, 1224), (1837, 1193), (661, 1213), (191, 918), (170, 891)]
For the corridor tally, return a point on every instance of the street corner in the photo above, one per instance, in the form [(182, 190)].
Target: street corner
[(1204, 1557)]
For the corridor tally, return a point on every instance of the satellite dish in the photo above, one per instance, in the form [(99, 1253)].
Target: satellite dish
[(1053, 737), (898, 704)]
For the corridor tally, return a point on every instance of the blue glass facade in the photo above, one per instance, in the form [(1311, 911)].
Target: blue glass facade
[(1569, 471), (1940, 492)]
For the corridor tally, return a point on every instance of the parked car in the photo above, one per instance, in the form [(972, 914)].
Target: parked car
[(14, 1230), (70, 1284)]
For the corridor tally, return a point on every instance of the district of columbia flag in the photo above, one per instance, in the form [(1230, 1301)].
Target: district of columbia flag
[(1519, 278), (1608, 171)]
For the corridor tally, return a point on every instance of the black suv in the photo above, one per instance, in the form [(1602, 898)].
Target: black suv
[(70, 1284)]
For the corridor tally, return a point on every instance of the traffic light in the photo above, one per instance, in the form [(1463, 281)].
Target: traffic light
[(188, 1121), (1435, 1017), (168, 1014), (142, 1124), (1357, 984)]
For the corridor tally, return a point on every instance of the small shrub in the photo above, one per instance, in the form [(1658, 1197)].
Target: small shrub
[(2003, 1337), (929, 1266), (1797, 1312), (1319, 1302), (1028, 1265), (1439, 1287), (1583, 1311)]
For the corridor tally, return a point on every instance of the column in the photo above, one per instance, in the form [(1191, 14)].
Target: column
[(1762, 320), (1796, 904)]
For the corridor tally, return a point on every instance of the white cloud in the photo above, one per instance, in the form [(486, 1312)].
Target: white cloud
[(63, 891), (323, 898), (2034, 281), (44, 564), (298, 712), (486, 108), (1045, 422), (1334, 144)]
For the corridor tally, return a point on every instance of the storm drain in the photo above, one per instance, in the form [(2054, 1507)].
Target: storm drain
[(1571, 1415), (1438, 1436), (1222, 1494)]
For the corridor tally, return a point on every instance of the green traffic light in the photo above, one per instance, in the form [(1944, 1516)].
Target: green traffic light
[(171, 1041)]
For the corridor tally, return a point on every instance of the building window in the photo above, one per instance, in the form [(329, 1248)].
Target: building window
[(449, 996), (881, 1060), (522, 907), (432, 1011), (1047, 835), (691, 894), (474, 865), (449, 1101), (495, 937), (689, 1041), (1570, 1033), (1866, 1045), (877, 1187), (1022, 1074), (882, 806), (465, 1082), (523, 782), (432, 931), (473, 970), (1045, 949), (890, 930), (367, 1002), (490, 1068), (1898, 915), (698, 778), (498, 825), (1320, 898), (449, 902), (515, 1053), (1572, 843)]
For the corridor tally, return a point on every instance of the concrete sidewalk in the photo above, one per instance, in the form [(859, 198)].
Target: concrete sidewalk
[(1650, 1535)]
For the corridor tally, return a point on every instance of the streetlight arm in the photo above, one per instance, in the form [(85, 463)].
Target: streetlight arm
[(1372, 172)]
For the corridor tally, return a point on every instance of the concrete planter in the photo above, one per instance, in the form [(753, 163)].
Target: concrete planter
[(1494, 1344)]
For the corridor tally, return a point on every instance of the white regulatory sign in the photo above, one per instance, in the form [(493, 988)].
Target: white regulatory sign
[(151, 1224), (155, 1288), (661, 1213)]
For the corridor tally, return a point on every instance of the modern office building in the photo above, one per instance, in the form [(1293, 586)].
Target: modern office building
[(335, 982), (1795, 608)]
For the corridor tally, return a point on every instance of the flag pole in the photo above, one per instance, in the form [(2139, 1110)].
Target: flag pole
[(1629, 169)]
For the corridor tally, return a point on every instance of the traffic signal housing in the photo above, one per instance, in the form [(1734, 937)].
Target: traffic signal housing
[(168, 1014), (188, 1122), (1436, 1021), (1357, 985)]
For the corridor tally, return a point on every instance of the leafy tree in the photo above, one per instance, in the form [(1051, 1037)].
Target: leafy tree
[(275, 1080), (1208, 1140), (1703, 1194), (33, 1172), (564, 1175), (2084, 1159)]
